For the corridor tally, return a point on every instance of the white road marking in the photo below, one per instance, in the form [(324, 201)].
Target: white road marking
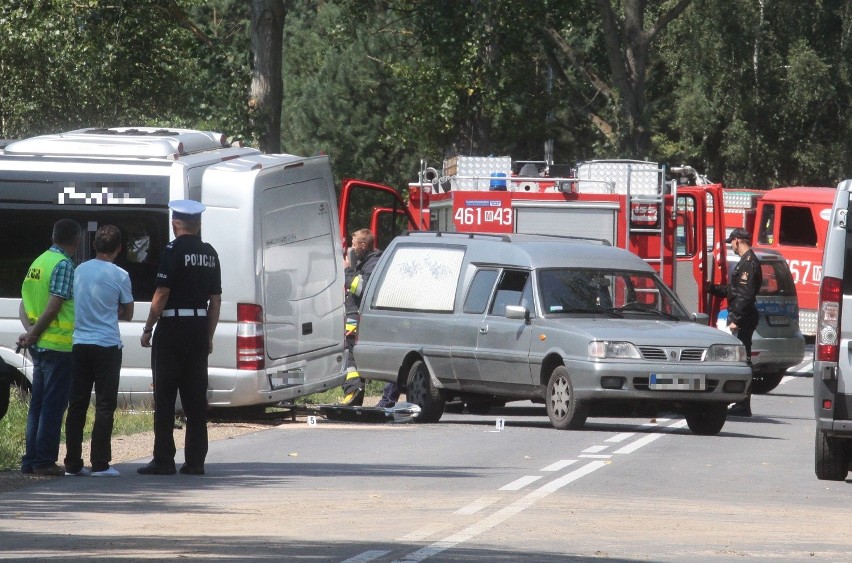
[(595, 456), (501, 515), (476, 506), (424, 532), (620, 437), (489, 522), (645, 440), (518, 484), (562, 464), (367, 556), (594, 449)]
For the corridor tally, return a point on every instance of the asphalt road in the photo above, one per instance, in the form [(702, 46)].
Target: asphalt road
[(460, 490)]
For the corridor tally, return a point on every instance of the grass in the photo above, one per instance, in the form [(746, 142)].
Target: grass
[(13, 428), (336, 395), (13, 425)]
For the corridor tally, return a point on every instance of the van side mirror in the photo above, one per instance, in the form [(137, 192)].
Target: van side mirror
[(701, 318), (517, 312)]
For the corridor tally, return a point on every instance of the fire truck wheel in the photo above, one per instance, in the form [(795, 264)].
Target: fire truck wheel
[(831, 457), (762, 384), (565, 411), (424, 394), (707, 420)]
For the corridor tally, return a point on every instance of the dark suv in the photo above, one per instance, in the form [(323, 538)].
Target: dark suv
[(777, 344)]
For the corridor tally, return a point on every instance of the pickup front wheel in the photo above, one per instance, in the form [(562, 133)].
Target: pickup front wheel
[(424, 394), (707, 420), (565, 411)]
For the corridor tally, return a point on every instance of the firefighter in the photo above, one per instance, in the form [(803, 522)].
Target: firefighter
[(741, 293), (359, 263)]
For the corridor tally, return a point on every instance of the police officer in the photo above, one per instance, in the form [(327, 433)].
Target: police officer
[(358, 264), (185, 309), (741, 293)]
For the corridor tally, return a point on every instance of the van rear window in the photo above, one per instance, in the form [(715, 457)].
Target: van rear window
[(777, 279), (420, 278)]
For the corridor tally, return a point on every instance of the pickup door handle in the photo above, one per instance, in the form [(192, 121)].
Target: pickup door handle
[(483, 328)]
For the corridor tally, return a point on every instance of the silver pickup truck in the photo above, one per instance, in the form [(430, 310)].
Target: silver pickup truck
[(581, 326)]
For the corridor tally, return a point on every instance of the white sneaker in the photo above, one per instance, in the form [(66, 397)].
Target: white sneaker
[(82, 473), (109, 472)]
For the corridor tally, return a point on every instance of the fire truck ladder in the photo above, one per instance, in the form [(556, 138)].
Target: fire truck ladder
[(645, 200)]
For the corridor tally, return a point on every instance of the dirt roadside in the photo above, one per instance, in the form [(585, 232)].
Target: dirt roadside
[(134, 446)]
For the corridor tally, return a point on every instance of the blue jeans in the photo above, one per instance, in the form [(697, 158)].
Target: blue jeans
[(52, 374)]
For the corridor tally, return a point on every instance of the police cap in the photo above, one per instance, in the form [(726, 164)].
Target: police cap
[(186, 209), (738, 233)]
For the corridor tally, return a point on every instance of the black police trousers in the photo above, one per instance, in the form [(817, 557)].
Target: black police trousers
[(179, 362)]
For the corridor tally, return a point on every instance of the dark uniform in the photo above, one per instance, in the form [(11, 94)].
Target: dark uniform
[(356, 277), (190, 269), (741, 292)]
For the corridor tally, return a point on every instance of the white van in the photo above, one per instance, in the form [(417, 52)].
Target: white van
[(271, 218), (832, 360)]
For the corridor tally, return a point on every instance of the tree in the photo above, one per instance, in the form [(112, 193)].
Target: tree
[(627, 43), (267, 29)]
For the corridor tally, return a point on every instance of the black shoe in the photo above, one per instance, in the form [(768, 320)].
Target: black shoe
[(191, 470), (52, 470), (740, 409), (154, 469)]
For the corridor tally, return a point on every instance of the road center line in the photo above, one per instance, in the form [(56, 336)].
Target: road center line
[(501, 515), (645, 440), (476, 506), (518, 484), (367, 556), (620, 437), (595, 449), (561, 464), (424, 532)]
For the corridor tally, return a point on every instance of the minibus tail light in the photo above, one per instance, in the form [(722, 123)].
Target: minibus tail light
[(828, 320), (250, 338)]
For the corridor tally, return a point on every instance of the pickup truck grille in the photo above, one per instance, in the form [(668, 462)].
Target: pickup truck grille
[(672, 354)]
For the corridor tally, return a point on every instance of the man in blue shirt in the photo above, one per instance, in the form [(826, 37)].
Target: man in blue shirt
[(103, 297)]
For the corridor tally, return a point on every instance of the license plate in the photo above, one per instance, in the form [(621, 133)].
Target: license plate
[(670, 382), (778, 320)]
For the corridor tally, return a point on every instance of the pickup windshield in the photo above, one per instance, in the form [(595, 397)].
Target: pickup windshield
[(609, 292)]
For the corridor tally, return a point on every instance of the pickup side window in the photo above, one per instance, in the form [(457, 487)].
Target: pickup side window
[(797, 226), (480, 291), (510, 291)]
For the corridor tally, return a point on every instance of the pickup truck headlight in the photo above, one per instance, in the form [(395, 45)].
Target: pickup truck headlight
[(726, 353), (601, 349)]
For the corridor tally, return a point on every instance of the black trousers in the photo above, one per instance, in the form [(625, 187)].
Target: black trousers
[(98, 367), (179, 362)]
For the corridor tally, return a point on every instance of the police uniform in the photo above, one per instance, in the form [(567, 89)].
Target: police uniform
[(190, 269), (741, 293)]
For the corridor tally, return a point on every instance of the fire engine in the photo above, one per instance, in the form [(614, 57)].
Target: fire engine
[(631, 204)]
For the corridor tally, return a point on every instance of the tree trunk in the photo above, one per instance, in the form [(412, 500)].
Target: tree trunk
[(627, 44), (267, 37)]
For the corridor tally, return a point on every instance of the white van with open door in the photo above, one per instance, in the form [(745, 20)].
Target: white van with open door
[(272, 219)]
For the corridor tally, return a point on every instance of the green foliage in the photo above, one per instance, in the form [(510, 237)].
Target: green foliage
[(759, 100), (13, 428), (96, 63), (13, 433)]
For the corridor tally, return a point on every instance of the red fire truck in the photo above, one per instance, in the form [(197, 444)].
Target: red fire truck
[(631, 204)]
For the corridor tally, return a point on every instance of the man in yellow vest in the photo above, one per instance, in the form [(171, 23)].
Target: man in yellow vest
[(47, 313)]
